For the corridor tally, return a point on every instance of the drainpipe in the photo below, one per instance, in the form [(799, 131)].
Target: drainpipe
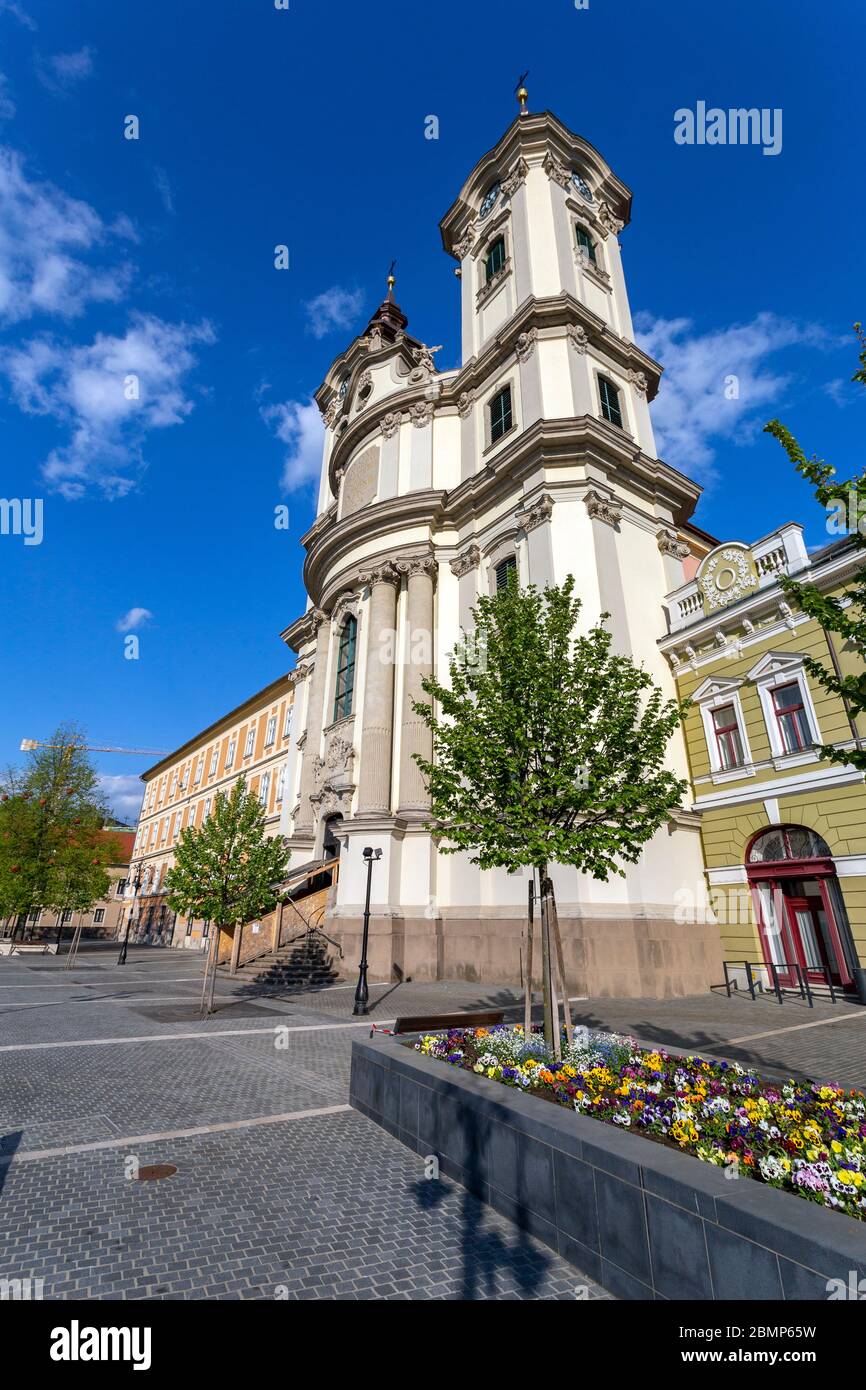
[(858, 972)]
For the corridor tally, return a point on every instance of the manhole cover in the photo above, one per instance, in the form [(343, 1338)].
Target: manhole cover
[(152, 1171)]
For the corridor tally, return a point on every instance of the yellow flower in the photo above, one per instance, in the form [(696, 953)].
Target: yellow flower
[(836, 1146)]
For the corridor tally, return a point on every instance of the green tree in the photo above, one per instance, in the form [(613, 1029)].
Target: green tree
[(548, 747), (54, 852), (226, 871), (843, 614)]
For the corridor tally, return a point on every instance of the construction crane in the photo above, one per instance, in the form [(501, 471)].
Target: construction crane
[(28, 745)]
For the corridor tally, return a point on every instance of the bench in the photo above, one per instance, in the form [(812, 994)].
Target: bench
[(438, 1022)]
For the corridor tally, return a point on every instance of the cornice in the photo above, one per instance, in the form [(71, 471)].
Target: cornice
[(533, 319), (330, 559), (532, 138)]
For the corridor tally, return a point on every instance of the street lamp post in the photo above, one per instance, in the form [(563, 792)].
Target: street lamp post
[(362, 994), (136, 880)]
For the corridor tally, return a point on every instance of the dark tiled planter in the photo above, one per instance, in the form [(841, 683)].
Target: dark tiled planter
[(641, 1219)]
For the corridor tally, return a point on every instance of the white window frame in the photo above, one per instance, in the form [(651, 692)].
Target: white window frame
[(265, 789), (173, 786), (214, 760), (230, 753), (281, 783), (199, 770), (287, 723), (271, 732), (784, 668), (250, 743), (714, 693), (98, 916)]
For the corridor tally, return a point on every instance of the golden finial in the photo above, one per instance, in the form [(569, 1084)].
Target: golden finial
[(521, 93), (391, 278)]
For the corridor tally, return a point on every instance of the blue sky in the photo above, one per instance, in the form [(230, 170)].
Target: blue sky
[(305, 127)]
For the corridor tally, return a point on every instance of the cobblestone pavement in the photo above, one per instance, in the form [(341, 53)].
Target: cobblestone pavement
[(281, 1190)]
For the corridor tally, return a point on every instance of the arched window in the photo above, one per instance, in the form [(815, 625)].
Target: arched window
[(345, 669), (585, 243), (609, 397), (495, 259), (503, 570), (787, 842)]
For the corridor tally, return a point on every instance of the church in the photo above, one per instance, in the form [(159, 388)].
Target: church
[(536, 454)]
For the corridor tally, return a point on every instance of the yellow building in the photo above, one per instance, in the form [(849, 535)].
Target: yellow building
[(784, 831), (250, 741)]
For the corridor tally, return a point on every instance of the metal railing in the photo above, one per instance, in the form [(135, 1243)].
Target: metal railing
[(793, 967)]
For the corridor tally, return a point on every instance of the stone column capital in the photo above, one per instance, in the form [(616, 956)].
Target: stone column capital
[(386, 573), (535, 513), (470, 559), (413, 565), (669, 543), (602, 507)]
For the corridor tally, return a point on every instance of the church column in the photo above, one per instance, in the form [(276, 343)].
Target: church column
[(416, 736), (377, 732), (315, 709)]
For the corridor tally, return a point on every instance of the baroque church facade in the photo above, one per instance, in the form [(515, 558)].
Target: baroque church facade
[(535, 454)]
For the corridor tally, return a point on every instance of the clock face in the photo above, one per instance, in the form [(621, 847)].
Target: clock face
[(344, 386), (582, 186), (489, 200)]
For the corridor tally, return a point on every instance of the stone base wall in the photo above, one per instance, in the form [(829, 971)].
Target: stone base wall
[(640, 1219), (629, 956)]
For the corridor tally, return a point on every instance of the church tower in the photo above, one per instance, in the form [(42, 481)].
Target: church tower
[(537, 453)]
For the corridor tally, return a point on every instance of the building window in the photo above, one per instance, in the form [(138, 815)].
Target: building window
[(500, 414), (206, 810), (271, 731), (728, 741), (163, 831), (230, 753), (34, 916), (345, 669), (264, 789), (248, 746), (585, 243), (791, 717), (287, 726), (173, 784), (281, 782), (503, 570), (214, 759), (120, 888), (99, 916), (66, 916), (189, 926), (199, 769), (609, 396), (494, 260)]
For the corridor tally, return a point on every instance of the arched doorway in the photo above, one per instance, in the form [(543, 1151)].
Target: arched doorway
[(330, 841), (799, 906)]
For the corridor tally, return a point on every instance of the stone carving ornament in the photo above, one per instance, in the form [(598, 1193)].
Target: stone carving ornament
[(609, 221), (390, 424), (556, 171), (421, 414), (525, 345), (670, 544), (464, 403), (536, 513), (416, 564), (601, 508), (462, 247), (515, 178), (726, 576), (638, 381), (578, 337), (469, 560)]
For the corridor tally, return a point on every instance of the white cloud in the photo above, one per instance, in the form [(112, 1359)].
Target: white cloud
[(109, 393), (7, 105), (299, 425), (163, 188), (716, 385), (63, 71), (124, 794), (135, 618), (333, 309), (44, 237), (12, 7)]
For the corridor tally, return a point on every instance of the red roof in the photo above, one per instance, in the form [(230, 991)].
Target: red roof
[(126, 840)]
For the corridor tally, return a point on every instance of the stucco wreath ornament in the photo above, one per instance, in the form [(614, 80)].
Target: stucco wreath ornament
[(726, 562)]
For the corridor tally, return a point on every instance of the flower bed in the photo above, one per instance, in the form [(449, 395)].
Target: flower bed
[(801, 1137)]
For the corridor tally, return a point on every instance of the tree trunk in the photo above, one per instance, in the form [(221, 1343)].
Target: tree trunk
[(557, 937), (236, 947), (207, 992), (527, 962), (551, 1014)]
